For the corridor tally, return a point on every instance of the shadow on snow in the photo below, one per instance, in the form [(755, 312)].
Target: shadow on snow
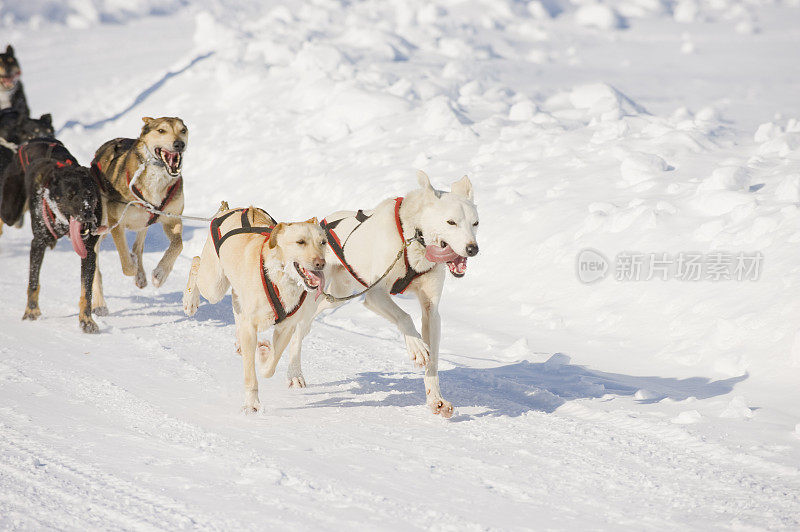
[(141, 97), (515, 389)]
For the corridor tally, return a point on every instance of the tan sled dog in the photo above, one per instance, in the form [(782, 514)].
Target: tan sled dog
[(146, 170), (270, 268)]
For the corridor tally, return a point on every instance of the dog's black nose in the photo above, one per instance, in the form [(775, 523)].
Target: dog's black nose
[(319, 264), (179, 145), (472, 249)]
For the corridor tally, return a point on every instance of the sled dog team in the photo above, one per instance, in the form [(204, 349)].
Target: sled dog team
[(279, 274)]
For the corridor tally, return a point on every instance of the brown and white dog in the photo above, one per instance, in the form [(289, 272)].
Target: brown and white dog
[(270, 268), (146, 170)]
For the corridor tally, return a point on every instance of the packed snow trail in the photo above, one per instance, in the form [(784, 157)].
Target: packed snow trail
[(617, 405), (139, 428)]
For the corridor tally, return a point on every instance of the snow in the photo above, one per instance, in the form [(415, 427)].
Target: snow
[(665, 129)]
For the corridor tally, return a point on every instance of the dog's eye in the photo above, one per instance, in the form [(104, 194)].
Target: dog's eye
[(324, 242), (475, 224), (183, 131), (301, 242), (162, 131), (451, 222)]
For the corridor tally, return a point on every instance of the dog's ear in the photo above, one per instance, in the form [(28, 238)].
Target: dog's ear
[(47, 119), (10, 50), (425, 182), (273, 237), (312, 221), (146, 127), (462, 187)]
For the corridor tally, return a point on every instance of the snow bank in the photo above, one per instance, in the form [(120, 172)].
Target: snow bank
[(82, 13)]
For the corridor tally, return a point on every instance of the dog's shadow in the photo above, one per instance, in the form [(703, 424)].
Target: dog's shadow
[(515, 389), (164, 304)]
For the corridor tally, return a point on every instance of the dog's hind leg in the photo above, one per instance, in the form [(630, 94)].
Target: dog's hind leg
[(206, 278), (211, 280), (99, 306), (381, 303), (173, 228), (191, 297), (13, 194), (32, 311), (126, 258), (138, 249), (21, 220), (88, 268), (247, 334)]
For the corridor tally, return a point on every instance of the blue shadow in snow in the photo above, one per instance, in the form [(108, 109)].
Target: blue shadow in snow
[(515, 389), (141, 97)]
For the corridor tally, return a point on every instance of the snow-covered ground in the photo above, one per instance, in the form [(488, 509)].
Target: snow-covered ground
[(634, 128)]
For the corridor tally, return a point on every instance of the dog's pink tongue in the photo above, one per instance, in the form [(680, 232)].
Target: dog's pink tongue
[(320, 278), (440, 254), (75, 236)]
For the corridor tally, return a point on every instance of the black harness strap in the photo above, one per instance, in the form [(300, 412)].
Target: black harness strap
[(52, 144), (338, 249), (218, 238), (401, 284)]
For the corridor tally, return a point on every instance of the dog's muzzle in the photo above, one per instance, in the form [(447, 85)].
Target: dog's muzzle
[(444, 253), (172, 160), (314, 280)]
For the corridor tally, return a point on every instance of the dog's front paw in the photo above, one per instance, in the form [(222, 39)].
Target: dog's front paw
[(441, 407), (297, 382), (251, 403), (132, 267), (88, 325), (294, 376), (141, 279), (417, 351), (159, 276), (190, 302), (31, 314)]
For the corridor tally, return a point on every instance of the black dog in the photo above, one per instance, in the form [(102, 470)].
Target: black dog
[(63, 199), (16, 129), (13, 194), (12, 96)]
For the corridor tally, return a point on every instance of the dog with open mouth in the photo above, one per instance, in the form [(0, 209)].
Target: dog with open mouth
[(147, 171), (440, 231), (63, 199), (275, 273), (12, 95)]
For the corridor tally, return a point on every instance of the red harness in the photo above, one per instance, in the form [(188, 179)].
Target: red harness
[(273, 294), (48, 215), (401, 284), (138, 193), (24, 157)]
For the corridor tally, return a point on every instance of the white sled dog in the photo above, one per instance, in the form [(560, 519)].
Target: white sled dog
[(363, 244), (270, 268)]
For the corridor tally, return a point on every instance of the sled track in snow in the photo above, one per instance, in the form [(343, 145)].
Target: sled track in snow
[(40, 486)]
